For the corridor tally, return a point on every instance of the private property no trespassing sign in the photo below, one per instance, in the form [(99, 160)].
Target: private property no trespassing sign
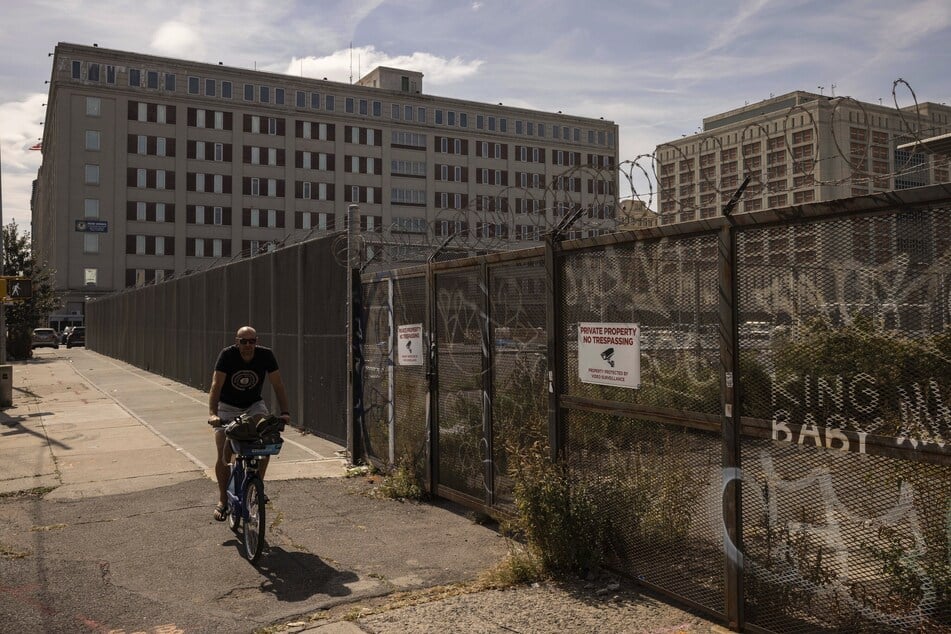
[(609, 354)]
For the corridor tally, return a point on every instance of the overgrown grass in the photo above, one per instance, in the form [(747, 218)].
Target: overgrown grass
[(404, 481)]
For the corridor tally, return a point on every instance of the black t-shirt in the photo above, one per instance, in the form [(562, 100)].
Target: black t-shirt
[(244, 380)]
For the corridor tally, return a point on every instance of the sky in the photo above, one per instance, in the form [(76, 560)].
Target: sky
[(654, 67)]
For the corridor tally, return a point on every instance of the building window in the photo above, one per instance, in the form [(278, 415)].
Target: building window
[(255, 186), (329, 103), (218, 215), (193, 85), (151, 79), (110, 74), (135, 77), (301, 99), (93, 106), (140, 245), (264, 93), (91, 208), (92, 174), (248, 92), (90, 243), (348, 105), (226, 90), (92, 140), (211, 88), (170, 82), (91, 276), (315, 100), (93, 73), (77, 69)]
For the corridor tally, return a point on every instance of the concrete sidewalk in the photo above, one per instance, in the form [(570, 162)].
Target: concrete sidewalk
[(90, 425)]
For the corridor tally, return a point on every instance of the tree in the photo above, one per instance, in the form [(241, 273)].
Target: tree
[(23, 316)]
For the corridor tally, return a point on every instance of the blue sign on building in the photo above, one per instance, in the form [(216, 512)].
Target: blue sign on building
[(92, 226)]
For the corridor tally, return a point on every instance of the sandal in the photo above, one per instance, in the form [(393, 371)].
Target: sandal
[(221, 512)]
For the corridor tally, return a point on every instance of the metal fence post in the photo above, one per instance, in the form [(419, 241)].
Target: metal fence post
[(556, 432), (488, 472), (354, 393), (730, 391)]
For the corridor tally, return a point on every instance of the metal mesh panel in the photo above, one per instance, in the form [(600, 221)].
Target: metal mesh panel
[(215, 307), (845, 349), (669, 288), (285, 340), (660, 487), (198, 367), (324, 363), (238, 280), (459, 321), (260, 308), (183, 322), (410, 385), (519, 339), (841, 541), (376, 352)]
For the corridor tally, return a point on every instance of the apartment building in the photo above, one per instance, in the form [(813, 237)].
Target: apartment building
[(155, 166), (799, 148)]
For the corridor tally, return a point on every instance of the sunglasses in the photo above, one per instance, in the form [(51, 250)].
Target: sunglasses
[(245, 342)]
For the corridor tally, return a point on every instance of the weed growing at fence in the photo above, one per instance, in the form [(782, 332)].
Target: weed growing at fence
[(404, 481), (558, 516)]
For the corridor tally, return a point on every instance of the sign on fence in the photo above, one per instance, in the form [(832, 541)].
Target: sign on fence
[(609, 354), (410, 344)]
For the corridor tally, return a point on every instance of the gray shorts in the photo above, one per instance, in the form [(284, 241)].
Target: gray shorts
[(227, 413)]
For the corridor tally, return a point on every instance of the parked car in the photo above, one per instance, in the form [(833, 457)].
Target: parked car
[(77, 337), (44, 338)]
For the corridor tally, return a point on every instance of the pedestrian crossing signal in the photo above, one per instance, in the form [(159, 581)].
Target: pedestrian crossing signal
[(17, 288)]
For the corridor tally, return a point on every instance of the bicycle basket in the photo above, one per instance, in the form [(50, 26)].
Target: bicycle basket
[(257, 448), (255, 435)]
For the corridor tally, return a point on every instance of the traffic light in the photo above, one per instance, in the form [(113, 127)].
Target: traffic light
[(17, 288)]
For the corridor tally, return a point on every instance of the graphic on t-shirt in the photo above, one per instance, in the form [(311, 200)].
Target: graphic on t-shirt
[(244, 380)]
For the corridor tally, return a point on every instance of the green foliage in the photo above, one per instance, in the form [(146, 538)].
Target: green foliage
[(404, 482), (24, 316), (862, 347), (559, 516)]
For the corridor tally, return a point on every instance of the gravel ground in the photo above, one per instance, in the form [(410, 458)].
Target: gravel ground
[(603, 606)]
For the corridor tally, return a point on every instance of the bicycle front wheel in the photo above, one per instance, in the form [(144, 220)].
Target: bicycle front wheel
[(254, 523)]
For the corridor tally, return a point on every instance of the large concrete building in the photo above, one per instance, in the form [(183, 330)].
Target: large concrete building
[(798, 148), (155, 166)]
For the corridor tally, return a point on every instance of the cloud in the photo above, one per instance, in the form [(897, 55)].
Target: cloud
[(338, 66), (21, 129), (175, 39)]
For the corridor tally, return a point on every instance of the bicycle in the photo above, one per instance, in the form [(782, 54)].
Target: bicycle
[(250, 439)]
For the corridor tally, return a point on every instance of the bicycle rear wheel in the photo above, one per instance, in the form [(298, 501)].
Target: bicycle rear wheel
[(254, 523)]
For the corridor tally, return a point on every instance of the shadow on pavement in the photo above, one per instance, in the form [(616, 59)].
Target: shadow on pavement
[(298, 576)]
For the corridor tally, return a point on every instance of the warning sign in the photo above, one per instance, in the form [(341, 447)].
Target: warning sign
[(609, 354), (410, 344)]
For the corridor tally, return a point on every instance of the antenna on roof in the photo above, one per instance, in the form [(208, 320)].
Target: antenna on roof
[(351, 61)]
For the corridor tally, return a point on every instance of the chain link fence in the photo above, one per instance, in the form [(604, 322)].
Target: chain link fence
[(294, 297), (782, 462)]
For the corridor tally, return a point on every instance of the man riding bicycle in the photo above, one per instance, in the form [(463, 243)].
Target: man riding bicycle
[(236, 389)]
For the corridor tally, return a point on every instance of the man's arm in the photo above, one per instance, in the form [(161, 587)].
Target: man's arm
[(214, 394), (278, 384)]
